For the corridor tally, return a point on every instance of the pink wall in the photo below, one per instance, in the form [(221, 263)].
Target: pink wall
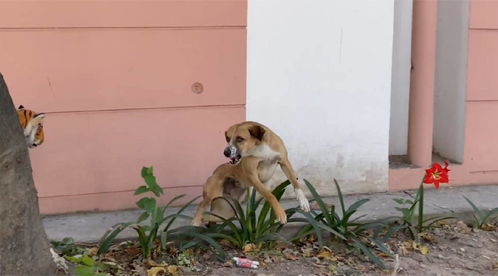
[(115, 78), (480, 164)]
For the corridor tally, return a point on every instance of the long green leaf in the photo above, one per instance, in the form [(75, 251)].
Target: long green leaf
[(209, 240), (315, 225), (110, 236), (262, 221), (488, 215), (341, 199), (173, 200), (179, 212), (352, 209), (328, 217), (231, 225), (374, 258), (478, 215), (430, 221)]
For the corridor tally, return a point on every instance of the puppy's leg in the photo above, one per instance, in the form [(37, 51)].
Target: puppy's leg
[(269, 197), (289, 172), (200, 210)]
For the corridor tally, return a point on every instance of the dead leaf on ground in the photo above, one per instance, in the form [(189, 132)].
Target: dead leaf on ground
[(173, 270), (462, 227), (427, 236), (226, 243), (155, 271), (424, 250), (250, 247), (326, 255), (92, 251), (151, 263), (290, 255), (132, 251), (489, 227), (307, 252)]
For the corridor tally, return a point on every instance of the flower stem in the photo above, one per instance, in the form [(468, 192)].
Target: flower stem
[(421, 208)]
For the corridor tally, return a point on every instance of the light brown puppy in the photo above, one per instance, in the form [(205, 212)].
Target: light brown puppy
[(255, 151)]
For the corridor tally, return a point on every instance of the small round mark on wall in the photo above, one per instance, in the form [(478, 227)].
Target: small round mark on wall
[(197, 88)]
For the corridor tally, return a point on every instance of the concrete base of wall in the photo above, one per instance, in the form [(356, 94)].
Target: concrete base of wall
[(90, 227)]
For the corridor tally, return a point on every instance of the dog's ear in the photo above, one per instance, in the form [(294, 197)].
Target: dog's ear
[(257, 132)]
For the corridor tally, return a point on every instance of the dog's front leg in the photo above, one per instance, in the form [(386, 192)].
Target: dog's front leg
[(269, 197), (289, 172), (200, 210)]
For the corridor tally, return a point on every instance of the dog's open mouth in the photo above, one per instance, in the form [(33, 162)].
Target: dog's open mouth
[(234, 160)]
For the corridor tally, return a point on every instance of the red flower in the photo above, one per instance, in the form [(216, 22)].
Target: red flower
[(437, 174)]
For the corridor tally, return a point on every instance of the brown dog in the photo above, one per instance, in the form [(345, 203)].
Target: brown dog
[(255, 152)]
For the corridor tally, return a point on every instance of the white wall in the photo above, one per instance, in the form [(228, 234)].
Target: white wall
[(319, 74), (451, 79), (400, 96)]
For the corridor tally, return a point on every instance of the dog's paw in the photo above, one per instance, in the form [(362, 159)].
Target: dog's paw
[(196, 222), (281, 215), (303, 201)]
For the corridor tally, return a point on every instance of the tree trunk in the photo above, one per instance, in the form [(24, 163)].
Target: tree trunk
[(24, 248)]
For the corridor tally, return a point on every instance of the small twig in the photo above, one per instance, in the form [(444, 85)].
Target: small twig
[(396, 265)]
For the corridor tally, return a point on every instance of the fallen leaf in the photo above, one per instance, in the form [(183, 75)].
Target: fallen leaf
[(424, 250), (427, 236), (151, 263), (226, 243), (290, 256), (173, 270), (92, 251), (489, 227), (462, 227), (154, 271), (307, 252), (132, 251), (228, 264), (326, 255), (250, 247)]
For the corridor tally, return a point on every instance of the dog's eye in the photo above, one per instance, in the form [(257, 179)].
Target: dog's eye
[(228, 139), (239, 139)]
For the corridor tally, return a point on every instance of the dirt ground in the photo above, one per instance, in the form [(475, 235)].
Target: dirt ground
[(450, 249)]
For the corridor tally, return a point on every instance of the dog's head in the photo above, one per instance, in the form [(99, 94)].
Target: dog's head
[(242, 139)]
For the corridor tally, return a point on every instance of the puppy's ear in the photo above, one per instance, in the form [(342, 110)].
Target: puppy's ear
[(257, 132)]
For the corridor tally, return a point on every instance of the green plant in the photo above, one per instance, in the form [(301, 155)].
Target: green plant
[(159, 225), (66, 247), (87, 266), (247, 226), (434, 175), (481, 217), (345, 227), (412, 222)]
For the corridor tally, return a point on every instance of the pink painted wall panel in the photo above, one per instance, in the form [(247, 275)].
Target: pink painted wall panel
[(95, 152), (481, 153), (111, 201), (74, 70), (483, 14), (483, 65), (115, 79), (119, 13)]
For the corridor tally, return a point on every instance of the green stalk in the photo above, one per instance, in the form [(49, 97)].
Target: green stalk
[(420, 207)]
